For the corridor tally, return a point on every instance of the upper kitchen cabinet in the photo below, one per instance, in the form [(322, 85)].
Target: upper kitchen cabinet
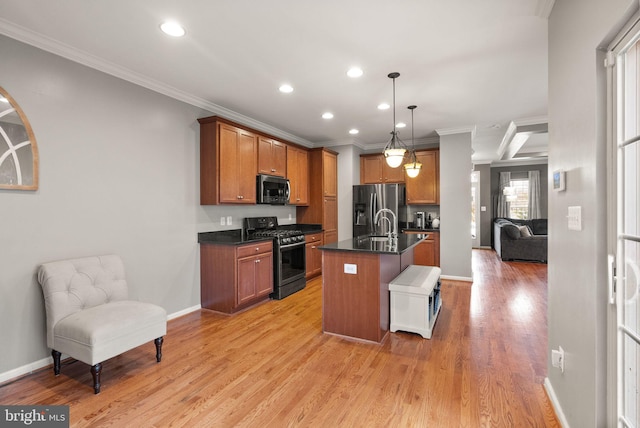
[(330, 173), (228, 163), (425, 188), (298, 175), (272, 157), (323, 191), (374, 170)]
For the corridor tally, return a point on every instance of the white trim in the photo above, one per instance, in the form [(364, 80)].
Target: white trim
[(555, 403), (63, 50), (183, 312), (37, 365), (458, 130), (457, 278), (26, 369)]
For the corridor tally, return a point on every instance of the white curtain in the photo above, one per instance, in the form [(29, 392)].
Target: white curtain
[(534, 194), (503, 206)]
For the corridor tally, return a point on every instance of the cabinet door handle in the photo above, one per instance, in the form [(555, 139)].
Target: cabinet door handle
[(258, 261), (257, 248), (313, 246)]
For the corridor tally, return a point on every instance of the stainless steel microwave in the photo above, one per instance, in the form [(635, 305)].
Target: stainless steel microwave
[(272, 190)]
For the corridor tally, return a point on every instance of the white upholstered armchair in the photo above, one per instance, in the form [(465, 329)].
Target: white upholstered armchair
[(88, 315)]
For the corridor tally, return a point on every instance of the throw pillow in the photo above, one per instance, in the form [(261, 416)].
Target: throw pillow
[(525, 232), (511, 230)]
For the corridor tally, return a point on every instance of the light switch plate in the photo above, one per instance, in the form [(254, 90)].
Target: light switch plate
[(229, 220), (574, 218), (483, 208), (222, 221)]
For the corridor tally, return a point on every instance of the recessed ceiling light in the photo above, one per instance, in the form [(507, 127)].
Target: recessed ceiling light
[(172, 28), (353, 131), (383, 106), (354, 72), (401, 125), (327, 115), (286, 88)]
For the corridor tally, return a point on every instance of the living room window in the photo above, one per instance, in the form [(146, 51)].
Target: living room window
[(519, 199)]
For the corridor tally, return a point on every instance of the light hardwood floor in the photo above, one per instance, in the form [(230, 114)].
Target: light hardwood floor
[(272, 366)]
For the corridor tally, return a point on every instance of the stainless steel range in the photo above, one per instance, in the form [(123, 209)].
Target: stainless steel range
[(289, 263)]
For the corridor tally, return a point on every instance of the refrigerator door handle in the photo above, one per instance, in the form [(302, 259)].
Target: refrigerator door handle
[(371, 210)]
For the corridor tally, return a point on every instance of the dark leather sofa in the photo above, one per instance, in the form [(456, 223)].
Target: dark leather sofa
[(511, 243)]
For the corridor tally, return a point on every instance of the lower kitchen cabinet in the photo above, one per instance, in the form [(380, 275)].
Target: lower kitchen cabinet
[(234, 277), (313, 254), (427, 253)]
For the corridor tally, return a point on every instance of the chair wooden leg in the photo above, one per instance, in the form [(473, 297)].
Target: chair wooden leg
[(96, 370), (56, 361), (158, 343)]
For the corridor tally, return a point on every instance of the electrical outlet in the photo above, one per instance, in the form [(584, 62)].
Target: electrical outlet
[(229, 220), (222, 221), (557, 358), (350, 269)]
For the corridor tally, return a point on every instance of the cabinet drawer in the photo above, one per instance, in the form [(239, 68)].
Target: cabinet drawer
[(313, 237), (253, 249)]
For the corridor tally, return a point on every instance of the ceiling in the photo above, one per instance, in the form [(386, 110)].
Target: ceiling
[(466, 64)]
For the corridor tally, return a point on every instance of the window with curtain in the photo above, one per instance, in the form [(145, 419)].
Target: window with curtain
[(519, 195), (519, 199)]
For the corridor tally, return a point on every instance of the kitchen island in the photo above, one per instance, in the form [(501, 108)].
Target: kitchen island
[(355, 278)]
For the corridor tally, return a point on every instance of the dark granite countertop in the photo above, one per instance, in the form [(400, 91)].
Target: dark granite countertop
[(415, 229), (236, 236), (381, 245)]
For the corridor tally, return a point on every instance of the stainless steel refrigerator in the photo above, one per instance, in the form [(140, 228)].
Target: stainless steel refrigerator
[(368, 199)]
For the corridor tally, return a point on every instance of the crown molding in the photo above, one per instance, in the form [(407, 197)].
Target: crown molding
[(65, 51), (458, 130)]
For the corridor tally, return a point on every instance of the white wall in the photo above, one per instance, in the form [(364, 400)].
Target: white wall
[(348, 176), (577, 295), (119, 173), (455, 205)]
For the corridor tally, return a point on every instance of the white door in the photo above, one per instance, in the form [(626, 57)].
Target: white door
[(624, 220)]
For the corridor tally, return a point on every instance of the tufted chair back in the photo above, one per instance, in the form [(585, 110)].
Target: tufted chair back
[(70, 286)]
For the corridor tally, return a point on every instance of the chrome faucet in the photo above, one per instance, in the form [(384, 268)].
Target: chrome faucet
[(392, 233)]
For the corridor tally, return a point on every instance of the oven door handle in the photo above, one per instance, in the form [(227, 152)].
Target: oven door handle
[(289, 246)]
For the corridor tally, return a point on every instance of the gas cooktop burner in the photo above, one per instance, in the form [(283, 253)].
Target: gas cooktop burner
[(267, 227)]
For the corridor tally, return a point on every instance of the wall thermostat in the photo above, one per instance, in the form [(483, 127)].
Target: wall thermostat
[(559, 180)]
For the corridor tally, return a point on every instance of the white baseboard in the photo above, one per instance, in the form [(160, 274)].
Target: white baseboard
[(457, 278), (37, 365), (556, 404), (26, 369), (183, 312)]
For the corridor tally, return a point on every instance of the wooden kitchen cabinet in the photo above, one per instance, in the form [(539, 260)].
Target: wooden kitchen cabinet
[(427, 252), (234, 277), (298, 175), (330, 173), (228, 162), (313, 254), (272, 157), (374, 170), (425, 188), (323, 191)]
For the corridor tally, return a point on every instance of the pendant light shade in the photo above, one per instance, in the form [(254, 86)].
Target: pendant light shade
[(412, 168), (395, 149)]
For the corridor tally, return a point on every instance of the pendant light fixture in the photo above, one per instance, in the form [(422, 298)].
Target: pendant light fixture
[(395, 149), (412, 168)]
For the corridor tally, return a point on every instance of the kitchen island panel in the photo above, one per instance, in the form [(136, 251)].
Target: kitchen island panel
[(351, 302)]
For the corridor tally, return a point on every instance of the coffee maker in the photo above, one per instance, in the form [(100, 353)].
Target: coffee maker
[(419, 222)]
